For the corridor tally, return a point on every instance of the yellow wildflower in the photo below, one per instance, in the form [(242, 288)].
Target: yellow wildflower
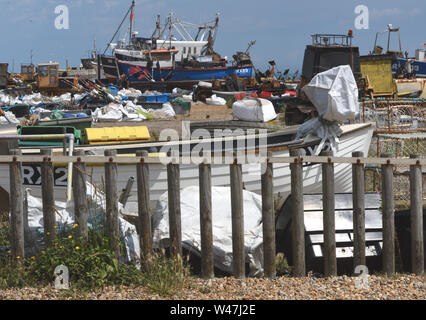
[(77, 248), (33, 258), (18, 257), (70, 236)]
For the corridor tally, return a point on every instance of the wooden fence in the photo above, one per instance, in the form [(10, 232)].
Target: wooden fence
[(296, 160)]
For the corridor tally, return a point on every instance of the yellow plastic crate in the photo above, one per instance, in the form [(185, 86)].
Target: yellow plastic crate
[(116, 134)]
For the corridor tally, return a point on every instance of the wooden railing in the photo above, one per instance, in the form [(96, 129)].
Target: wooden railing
[(296, 160)]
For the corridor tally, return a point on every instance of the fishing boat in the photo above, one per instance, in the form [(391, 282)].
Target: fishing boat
[(418, 64), (355, 137), (402, 65), (181, 62)]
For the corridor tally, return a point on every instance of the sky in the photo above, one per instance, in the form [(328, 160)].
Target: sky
[(281, 28)]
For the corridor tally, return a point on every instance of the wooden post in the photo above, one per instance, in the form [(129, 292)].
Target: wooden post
[(16, 203), (173, 181), (125, 194), (416, 219), (48, 197), (238, 251), (268, 218), (145, 237), (80, 196), (330, 263), (388, 214), (358, 199), (112, 226), (298, 224), (206, 227), (27, 231)]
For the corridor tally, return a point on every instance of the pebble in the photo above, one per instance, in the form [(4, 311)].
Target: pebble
[(398, 287)]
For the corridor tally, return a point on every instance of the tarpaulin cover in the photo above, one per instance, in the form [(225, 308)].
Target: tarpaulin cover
[(222, 226), (65, 216), (215, 101), (252, 109), (334, 93)]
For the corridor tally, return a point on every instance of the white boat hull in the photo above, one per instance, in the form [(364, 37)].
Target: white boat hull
[(357, 138)]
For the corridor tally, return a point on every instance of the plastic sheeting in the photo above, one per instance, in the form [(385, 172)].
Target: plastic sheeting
[(322, 129), (215, 101), (334, 93), (65, 216), (222, 226), (9, 118), (128, 111), (251, 109)]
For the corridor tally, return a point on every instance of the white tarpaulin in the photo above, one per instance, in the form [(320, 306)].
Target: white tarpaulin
[(65, 216), (215, 101), (222, 226), (254, 109), (334, 93)]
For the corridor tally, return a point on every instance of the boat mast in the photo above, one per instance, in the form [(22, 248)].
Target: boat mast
[(132, 9), (121, 24)]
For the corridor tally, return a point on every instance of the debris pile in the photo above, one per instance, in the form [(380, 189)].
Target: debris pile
[(90, 99)]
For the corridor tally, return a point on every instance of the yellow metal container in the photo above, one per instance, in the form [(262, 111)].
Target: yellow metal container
[(378, 70), (116, 134)]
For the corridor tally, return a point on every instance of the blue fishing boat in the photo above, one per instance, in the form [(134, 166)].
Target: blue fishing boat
[(418, 67), (402, 66), (178, 62), (139, 74)]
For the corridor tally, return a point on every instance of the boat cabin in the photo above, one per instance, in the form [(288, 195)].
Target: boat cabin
[(328, 51), (27, 72), (185, 49), (48, 74)]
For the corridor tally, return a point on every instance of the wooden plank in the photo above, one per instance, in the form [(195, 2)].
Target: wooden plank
[(145, 236), (238, 251), (330, 262), (48, 197), (388, 254), (173, 182), (16, 203), (297, 225), (80, 196), (268, 219), (206, 226), (358, 196), (111, 200), (416, 219), (92, 159)]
